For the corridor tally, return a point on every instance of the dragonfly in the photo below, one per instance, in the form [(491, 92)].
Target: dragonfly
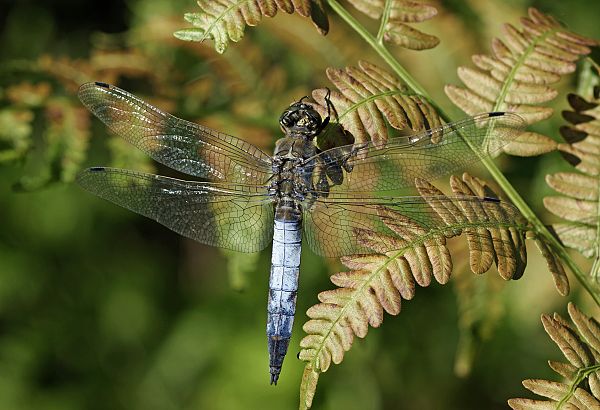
[(247, 199)]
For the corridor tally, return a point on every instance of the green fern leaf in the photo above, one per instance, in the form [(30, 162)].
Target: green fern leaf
[(581, 347), (65, 142), (225, 20), (413, 251), (369, 98), (396, 14), (15, 133), (518, 74), (17, 117), (578, 205), (67, 136)]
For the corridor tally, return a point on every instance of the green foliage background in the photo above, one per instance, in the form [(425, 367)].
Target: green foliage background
[(102, 309)]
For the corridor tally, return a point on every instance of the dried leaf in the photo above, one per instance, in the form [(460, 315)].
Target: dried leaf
[(578, 186), (413, 249), (579, 206), (530, 144), (225, 20), (405, 36), (580, 346), (369, 98), (398, 13), (308, 386), (517, 75), (555, 266)]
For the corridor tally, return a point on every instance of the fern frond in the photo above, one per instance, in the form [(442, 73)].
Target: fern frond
[(581, 347), (413, 252), (369, 98), (17, 116), (516, 77), (68, 136), (66, 133), (225, 20), (553, 262), (579, 204), (395, 15)]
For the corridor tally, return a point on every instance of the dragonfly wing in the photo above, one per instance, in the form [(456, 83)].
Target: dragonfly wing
[(428, 155), (332, 227), (179, 144), (232, 216)]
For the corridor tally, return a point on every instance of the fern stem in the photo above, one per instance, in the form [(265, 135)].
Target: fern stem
[(385, 16), (582, 374), (385, 55), (587, 79), (538, 226), (540, 229), (595, 271)]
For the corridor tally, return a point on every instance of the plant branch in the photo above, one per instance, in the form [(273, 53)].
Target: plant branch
[(385, 16), (538, 226), (385, 55)]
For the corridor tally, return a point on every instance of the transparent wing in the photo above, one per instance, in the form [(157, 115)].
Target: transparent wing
[(429, 155), (232, 216), (329, 226), (181, 145)]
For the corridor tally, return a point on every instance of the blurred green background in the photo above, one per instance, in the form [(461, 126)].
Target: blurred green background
[(103, 309)]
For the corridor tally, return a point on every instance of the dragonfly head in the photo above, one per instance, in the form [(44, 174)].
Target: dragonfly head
[(301, 119)]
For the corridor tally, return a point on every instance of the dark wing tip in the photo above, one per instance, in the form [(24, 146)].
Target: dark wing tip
[(84, 177), (86, 87), (511, 119), (274, 378), (491, 199)]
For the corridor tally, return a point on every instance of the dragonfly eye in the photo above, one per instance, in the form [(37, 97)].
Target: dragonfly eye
[(301, 118)]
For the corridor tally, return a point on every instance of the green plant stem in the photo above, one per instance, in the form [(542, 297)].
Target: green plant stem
[(538, 226), (541, 229), (595, 271), (582, 374), (385, 16), (384, 54)]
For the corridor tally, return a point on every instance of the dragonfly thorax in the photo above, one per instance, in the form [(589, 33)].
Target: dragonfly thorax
[(292, 170), (300, 119)]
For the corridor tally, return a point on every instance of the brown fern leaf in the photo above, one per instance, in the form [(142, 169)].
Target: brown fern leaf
[(397, 13), (579, 203), (225, 20), (516, 77), (555, 266), (581, 347), (369, 98), (412, 251)]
